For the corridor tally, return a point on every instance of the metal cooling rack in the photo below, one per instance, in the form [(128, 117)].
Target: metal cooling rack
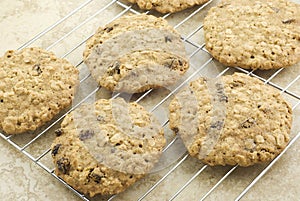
[(24, 144)]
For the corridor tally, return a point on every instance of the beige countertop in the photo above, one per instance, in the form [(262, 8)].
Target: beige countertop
[(22, 179)]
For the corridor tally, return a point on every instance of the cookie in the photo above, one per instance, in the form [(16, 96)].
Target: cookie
[(105, 147), (35, 86), (167, 6), (135, 53), (254, 34), (232, 120)]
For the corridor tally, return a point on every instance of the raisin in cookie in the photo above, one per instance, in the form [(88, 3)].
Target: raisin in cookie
[(167, 6), (35, 86), (254, 34), (234, 119), (105, 147), (135, 53)]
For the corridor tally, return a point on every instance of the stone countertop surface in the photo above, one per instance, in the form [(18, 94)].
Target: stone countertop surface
[(22, 179)]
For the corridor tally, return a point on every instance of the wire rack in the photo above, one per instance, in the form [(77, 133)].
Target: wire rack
[(184, 174)]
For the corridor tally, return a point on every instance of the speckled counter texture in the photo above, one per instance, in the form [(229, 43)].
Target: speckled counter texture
[(21, 179)]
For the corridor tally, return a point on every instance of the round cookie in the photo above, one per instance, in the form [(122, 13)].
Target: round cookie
[(135, 53), (125, 23), (167, 6), (35, 86), (233, 120), (105, 147), (254, 34)]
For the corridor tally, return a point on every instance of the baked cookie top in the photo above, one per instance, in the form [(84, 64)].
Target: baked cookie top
[(234, 119), (35, 86), (125, 23), (167, 6), (254, 34), (104, 147), (136, 53)]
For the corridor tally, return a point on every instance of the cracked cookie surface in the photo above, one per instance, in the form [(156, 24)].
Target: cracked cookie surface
[(167, 6), (135, 53), (35, 86), (254, 34), (233, 120), (105, 147)]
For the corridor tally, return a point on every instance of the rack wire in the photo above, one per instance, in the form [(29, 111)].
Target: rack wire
[(201, 61)]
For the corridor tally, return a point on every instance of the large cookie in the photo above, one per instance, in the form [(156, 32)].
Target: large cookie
[(167, 6), (105, 147), (35, 86), (234, 119), (254, 34), (135, 53)]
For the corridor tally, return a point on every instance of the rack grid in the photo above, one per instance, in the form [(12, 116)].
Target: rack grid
[(189, 24)]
